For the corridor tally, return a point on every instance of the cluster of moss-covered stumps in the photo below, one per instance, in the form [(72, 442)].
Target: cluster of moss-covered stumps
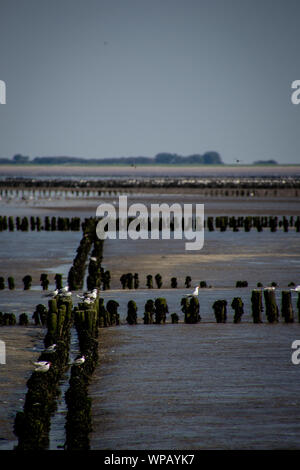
[(27, 282), (97, 276), (32, 425)]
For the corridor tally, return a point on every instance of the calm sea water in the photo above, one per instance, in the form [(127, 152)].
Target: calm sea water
[(204, 386)]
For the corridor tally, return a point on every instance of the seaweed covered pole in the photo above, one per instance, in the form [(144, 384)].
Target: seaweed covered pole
[(79, 417), (32, 425), (191, 308), (131, 313), (271, 306), (287, 307), (95, 273), (77, 270), (149, 312), (238, 307), (161, 310), (256, 305), (220, 310)]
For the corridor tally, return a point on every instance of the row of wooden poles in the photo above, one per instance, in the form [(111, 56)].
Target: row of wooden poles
[(101, 278), (222, 223), (32, 424), (155, 311)]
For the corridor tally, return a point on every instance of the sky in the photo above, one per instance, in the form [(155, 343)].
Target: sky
[(111, 78)]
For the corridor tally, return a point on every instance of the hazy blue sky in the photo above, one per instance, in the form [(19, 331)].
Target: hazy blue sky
[(105, 78)]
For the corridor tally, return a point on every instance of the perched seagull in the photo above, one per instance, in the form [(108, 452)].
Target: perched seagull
[(93, 258), (51, 348), (88, 301), (93, 294), (63, 290), (270, 288), (42, 366), (67, 294), (52, 294), (40, 363), (297, 289), (79, 361), (195, 293)]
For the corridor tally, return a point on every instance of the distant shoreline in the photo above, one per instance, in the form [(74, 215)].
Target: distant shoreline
[(148, 171), (148, 165)]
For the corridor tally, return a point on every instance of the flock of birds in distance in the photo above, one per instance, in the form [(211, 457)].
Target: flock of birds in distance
[(88, 298)]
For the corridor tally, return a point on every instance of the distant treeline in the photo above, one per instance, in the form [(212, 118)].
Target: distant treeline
[(164, 158)]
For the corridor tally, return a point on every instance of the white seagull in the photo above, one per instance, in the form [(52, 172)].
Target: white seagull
[(195, 293), (52, 294), (269, 288), (42, 366), (79, 361), (297, 289), (51, 348), (63, 290)]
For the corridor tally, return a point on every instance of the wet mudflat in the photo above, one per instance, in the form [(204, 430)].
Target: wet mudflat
[(203, 386)]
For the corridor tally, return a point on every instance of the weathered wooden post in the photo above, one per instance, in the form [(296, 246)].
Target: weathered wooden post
[(191, 308), (131, 313), (149, 281), (238, 307), (210, 224), (106, 280), (123, 280), (11, 283), (158, 280), (136, 280), (2, 283), (27, 280), (174, 282), (24, 224), (174, 318), (298, 306), (32, 223), (11, 225), (61, 316), (149, 311), (287, 307), (112, 308), (58, 281), (271, 306), (188, 281), (220, 310), (161, 310), (44, 281), (23, 319), (103, 316), (256, 305), (129, 280)]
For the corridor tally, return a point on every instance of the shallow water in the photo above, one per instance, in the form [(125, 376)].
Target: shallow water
[(204, 386)]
